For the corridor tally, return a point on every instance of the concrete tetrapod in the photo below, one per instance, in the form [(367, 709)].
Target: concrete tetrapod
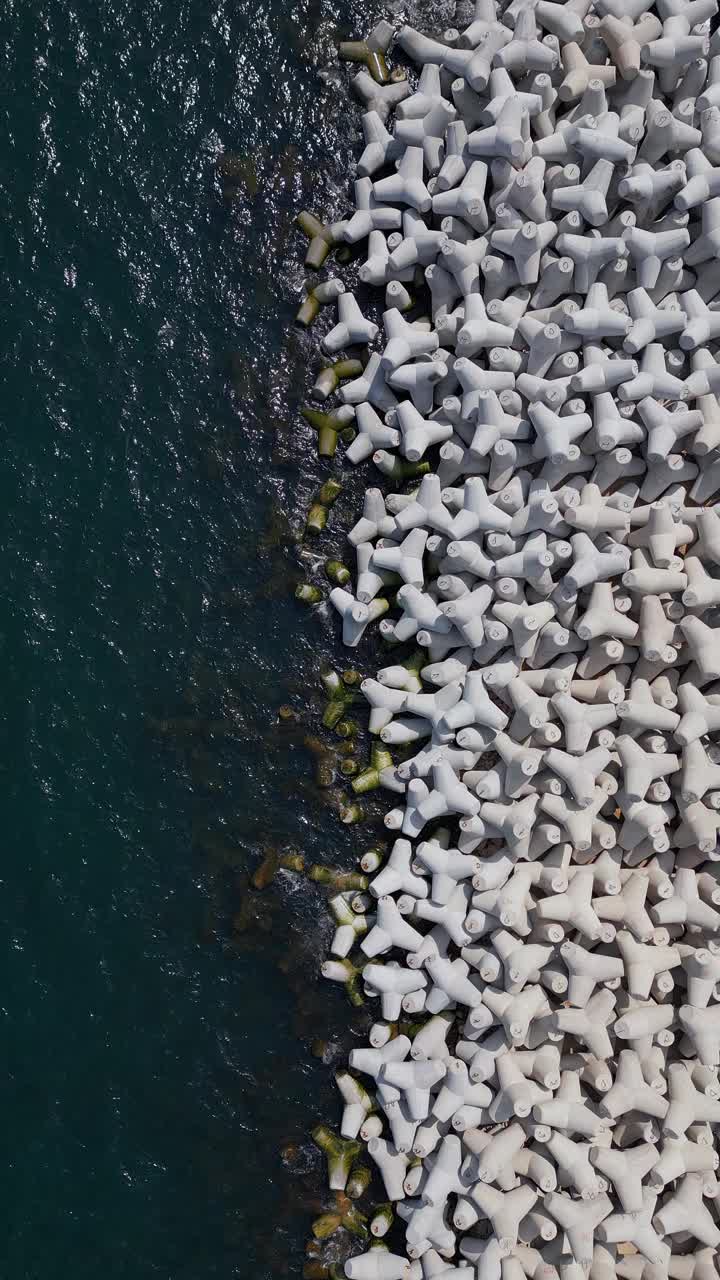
[(547, 208)]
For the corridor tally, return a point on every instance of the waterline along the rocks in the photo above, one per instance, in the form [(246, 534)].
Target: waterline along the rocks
[(520, 352)]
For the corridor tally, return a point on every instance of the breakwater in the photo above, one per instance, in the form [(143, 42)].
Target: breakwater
[(538, 391)]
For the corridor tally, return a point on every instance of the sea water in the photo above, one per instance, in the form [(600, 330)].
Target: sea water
[(158, 1013)]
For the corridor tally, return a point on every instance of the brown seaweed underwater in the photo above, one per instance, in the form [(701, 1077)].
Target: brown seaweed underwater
[(274, 759)]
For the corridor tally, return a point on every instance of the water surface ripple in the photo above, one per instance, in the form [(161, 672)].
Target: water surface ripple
[(156, 1052)]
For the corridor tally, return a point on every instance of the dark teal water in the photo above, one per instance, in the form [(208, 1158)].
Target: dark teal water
[(155, 1055)]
